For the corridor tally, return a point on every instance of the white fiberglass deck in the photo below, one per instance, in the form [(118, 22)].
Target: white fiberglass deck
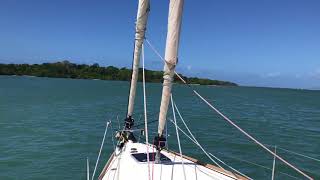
[(125, 166)]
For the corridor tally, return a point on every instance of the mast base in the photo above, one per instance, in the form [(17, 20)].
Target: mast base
[(128, 122), (159, 142)]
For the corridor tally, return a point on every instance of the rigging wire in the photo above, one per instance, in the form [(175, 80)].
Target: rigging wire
[(178, 138), (231, 167), (167, 144), (250, 137), (199, 145), (88, 173), (118, 121), (195, 140), (274, 163), (104, 136), (296, 153), (196, 143), (112, 137), (299, 154), (258, 165), (231, 157), (153, 158), (145, 108), (230, 121)]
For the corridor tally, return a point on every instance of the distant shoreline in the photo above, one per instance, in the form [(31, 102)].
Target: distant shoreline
[(66, 69)]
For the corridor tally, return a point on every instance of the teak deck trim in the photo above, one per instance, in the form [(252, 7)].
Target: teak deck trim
[(210, 166)]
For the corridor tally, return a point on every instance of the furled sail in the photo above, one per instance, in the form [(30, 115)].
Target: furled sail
[(142, 17), (171, 58)]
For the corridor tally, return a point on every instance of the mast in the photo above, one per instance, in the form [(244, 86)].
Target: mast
[(142, 17), (171, 59)]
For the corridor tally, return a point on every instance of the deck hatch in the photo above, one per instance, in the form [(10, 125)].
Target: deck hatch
[(142, 157)]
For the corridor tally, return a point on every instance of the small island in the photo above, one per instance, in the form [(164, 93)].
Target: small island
[(66, 69)]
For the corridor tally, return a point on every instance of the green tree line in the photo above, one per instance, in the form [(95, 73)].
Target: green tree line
[(65, 69)]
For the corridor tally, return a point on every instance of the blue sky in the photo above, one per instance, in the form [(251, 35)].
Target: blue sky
[(257, 43)]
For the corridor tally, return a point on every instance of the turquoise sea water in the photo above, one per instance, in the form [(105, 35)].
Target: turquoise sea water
[(48, 127)]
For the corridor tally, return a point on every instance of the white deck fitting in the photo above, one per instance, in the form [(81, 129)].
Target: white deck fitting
[(125, 167)]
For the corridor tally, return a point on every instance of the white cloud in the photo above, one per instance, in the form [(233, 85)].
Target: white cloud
[(189, 67), (298, 76), (315, 74), (271, 75)]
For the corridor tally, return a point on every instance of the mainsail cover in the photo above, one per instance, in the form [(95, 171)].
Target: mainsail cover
[(142, 17), (171, 58)]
